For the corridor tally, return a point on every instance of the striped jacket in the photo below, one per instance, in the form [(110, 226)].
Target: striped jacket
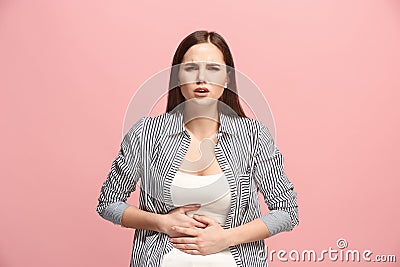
[(152, 151)]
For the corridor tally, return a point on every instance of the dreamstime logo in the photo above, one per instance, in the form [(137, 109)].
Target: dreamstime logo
[(150, 100), (331, 254)]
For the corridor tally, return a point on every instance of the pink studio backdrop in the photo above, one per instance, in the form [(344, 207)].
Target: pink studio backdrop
[(68, 69)]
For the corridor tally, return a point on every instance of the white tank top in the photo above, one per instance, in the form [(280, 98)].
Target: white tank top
[(212, 192)]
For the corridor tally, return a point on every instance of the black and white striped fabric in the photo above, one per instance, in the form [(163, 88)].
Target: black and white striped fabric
[(150, 155)]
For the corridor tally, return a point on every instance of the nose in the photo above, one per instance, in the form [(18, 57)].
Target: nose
[(201, 77)]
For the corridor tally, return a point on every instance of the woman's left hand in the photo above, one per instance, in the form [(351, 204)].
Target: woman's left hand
[(201, 241)]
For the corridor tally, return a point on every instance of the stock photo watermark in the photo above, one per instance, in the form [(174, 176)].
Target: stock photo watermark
[(340, 253)]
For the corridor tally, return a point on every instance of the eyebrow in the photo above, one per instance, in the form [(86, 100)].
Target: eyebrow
[(195, 64), (214, 64)]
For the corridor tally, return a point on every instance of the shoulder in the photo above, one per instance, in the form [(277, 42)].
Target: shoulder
[(249, 125), (148, 126), (254, 133)]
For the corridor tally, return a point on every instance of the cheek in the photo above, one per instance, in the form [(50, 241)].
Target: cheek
[(217, 78), (219, 92), (185, 91), (187, 77)]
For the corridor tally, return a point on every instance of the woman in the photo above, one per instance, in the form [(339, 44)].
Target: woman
[(203, 151)]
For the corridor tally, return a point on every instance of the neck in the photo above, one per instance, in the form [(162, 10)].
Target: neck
[(201, 118)]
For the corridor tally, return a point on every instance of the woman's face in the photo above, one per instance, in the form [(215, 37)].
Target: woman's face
[(203, 67)]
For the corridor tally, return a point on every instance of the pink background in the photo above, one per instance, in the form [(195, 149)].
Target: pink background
[(68, 69)]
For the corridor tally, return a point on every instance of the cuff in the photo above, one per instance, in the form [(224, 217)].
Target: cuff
[(277, 221), (114, 211)]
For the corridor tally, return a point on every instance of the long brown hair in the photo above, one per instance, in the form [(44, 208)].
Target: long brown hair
[(229, 96)]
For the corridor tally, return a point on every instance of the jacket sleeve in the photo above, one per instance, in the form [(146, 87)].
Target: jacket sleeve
[(125, 172), (277, 190)]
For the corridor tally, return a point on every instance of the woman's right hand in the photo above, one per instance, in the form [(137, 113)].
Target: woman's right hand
[(179, 217)]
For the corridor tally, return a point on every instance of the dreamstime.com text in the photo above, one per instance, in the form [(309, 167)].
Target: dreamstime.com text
[(331, 254)]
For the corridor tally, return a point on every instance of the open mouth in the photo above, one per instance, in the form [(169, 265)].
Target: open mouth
[(201, 90)]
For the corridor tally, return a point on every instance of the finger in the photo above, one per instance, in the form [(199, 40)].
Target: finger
[(193, 224), (186, 246), (204, 219), (185, 230), (198, 224), (191, 251), (183, 240), (190, 208)]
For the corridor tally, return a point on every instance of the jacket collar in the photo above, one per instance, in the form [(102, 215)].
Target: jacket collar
[(176, 125)]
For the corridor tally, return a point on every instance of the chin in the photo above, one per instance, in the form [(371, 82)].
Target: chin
[(204, 101)]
